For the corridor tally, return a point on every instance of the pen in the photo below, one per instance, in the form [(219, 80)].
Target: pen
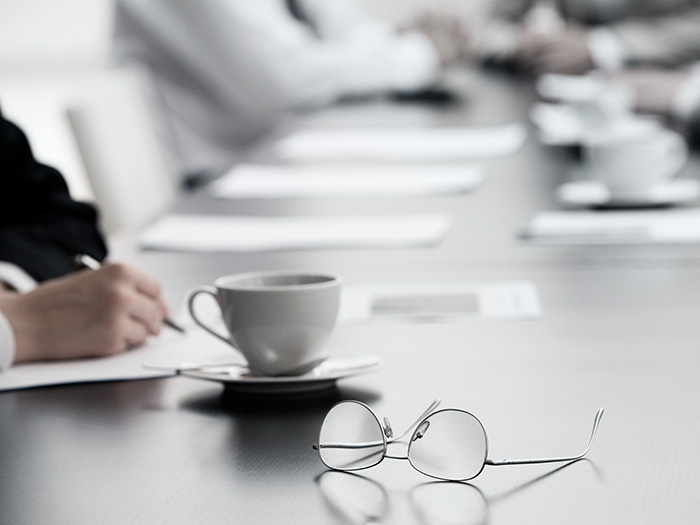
[(85, 261)]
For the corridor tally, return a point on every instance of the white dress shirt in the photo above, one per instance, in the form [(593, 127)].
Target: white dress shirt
[(7, 343), (623, 32), (19, 280), (226, 70), (686, 102)]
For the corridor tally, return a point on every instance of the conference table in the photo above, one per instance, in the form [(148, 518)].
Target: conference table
[(618, 329)]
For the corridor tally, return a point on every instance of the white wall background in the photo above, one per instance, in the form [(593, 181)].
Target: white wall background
[(53, 33)]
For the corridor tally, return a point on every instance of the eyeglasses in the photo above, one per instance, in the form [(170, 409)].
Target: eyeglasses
[(448, 444)]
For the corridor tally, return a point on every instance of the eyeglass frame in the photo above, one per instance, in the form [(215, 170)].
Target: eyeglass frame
[(388, 438)]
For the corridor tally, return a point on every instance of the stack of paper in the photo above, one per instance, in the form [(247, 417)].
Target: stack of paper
[(168, 348), (402, 144), (506, 300), (615, 227), (213, 233), (274, 182)]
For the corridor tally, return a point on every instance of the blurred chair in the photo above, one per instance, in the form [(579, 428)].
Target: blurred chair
[(125, 157)]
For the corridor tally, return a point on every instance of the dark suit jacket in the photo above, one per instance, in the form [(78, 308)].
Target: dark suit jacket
[(41, 227)]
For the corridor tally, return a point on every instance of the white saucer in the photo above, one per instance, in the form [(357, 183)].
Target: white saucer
[(558, 124), (561, 125), (240, 379), (594, 193)]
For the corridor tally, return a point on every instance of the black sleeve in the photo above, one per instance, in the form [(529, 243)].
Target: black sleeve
[(41, 227)]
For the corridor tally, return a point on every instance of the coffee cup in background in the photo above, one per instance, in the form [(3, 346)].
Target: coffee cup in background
[(607, 108), (279, 320), (595, 102), (633, 162)]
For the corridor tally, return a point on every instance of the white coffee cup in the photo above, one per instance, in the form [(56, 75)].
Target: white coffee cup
[(608, 108), (279, 320), (632, 162)]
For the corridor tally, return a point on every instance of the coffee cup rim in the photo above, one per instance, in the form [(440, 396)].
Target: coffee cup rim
[(232, 281), (625, 137)]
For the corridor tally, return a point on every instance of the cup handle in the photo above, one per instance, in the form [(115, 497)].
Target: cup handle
[(677, 154), (190, 306)]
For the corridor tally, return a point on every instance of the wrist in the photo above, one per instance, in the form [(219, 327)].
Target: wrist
[(20, 326), (607, 53), (7, 343), (685, 105)]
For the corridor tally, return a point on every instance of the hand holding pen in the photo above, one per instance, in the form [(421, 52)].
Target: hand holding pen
[(85, 261)]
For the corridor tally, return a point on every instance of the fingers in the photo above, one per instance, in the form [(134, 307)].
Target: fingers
[(136, 296), (135, 334), (146, 311), (141, 281)]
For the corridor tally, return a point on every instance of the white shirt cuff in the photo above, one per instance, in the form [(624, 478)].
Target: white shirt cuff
[(7, 343), (16, 277), (606, 50), (686, 101), (499, 41)]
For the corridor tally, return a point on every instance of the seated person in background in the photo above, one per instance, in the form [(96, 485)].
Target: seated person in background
[(84, 314), (674, 94), (574, 36), (226, 70)]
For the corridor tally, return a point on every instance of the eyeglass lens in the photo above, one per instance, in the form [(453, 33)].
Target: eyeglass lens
[(449, 444), (351, 438)]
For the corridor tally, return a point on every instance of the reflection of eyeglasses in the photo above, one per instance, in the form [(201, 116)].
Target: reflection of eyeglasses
[(448, 444)]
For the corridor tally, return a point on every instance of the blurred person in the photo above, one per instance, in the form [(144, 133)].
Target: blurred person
[(227, 70), (575, 36), (47, 310), (673, 94)]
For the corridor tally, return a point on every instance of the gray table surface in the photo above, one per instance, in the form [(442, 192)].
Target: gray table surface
[(619, 329)]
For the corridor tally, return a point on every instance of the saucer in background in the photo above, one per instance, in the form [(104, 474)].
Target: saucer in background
[(561, 124), (592, 192)]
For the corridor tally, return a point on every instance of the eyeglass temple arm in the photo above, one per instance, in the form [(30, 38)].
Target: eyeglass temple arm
[(596, 422), (436, 402)]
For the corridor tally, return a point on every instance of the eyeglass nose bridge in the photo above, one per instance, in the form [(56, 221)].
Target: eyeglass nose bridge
[(421, 430), (388, 431)]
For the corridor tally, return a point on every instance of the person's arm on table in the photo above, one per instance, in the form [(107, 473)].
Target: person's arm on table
[(84, 314), (669, 39), (674, 94), (665, 39), (87, 314), (258, 56)]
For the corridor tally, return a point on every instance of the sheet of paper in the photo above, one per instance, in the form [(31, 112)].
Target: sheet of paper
[(571, 88), (402, 144), (274, 182), (615, 227), (209, 233), (505, 300), (169, 348)]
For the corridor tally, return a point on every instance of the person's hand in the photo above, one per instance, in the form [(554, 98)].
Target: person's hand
[(86, 314), (448, 31), (654, 89), (564, 51)]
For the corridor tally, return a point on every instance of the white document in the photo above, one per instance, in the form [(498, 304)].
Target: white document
[(274, 182), (196, 346), (570, 88), (214, 233), (403, 144), (506, 300), (615, 227)]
